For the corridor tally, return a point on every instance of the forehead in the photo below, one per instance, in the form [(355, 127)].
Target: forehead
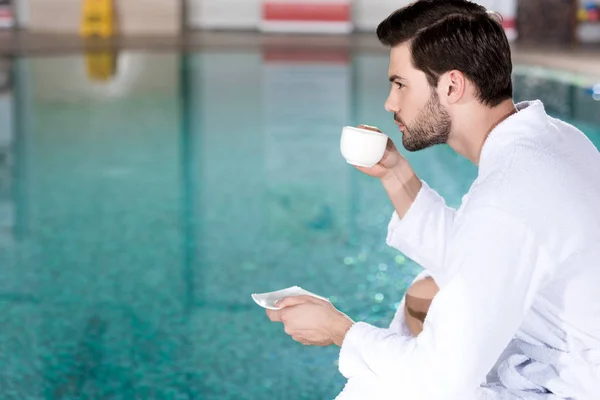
[(400, 60)]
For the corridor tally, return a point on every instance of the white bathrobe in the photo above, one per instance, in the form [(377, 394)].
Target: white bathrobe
[(518, 265)]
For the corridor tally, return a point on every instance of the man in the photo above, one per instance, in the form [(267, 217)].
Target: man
[(517, 314)]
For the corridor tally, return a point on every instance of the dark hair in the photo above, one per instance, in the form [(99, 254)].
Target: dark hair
[(454, 34)]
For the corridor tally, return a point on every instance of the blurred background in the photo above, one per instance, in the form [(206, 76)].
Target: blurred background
[(161, 160)]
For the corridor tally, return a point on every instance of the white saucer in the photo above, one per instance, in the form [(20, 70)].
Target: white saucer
[(268, 300)]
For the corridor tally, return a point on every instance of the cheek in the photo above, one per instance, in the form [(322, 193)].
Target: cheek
[(423, 97), (414, 103), (409, 106)]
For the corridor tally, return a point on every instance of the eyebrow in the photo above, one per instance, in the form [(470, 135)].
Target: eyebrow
[(396, 77)]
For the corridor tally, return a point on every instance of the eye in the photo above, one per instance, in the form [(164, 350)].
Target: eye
[(400, 85)]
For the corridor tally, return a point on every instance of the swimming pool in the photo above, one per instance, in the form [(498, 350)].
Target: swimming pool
[(140, 213)]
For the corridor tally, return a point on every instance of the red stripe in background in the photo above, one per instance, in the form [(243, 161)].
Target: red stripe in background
[(509, 23), (306, 12)]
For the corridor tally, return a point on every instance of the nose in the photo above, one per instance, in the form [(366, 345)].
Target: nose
[(390, 105)]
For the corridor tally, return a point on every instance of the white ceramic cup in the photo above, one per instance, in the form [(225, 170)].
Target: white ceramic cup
[(362, 147)]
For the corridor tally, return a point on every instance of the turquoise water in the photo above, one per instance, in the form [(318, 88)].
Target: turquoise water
[(139, 215)]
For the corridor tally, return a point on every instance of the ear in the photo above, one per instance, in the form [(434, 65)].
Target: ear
[(452, 86)]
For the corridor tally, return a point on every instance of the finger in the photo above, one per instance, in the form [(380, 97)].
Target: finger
[(274, 315), (301, 340), (295, 300), (390, 144), (390, 151)]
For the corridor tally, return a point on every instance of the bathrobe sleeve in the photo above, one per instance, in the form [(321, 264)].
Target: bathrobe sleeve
[(496, 266), (423, 231)]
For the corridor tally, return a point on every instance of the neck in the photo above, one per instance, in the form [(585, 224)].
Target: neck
[(472, 128)]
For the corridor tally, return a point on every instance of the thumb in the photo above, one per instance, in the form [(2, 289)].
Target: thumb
[(294, 301)]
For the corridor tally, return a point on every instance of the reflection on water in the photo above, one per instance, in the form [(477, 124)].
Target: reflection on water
[(138, 214)]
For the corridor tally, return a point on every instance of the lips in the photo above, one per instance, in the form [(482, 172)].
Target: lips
[(402, 127)]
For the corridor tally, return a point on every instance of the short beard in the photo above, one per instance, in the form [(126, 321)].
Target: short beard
[(432, 126)]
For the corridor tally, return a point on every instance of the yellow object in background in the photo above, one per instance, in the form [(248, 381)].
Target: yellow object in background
[(101, 65), (97, 18)]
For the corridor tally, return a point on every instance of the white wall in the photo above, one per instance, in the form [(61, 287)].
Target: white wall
[(22, 12), (246, 14), (134, 17), (227, 14)]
